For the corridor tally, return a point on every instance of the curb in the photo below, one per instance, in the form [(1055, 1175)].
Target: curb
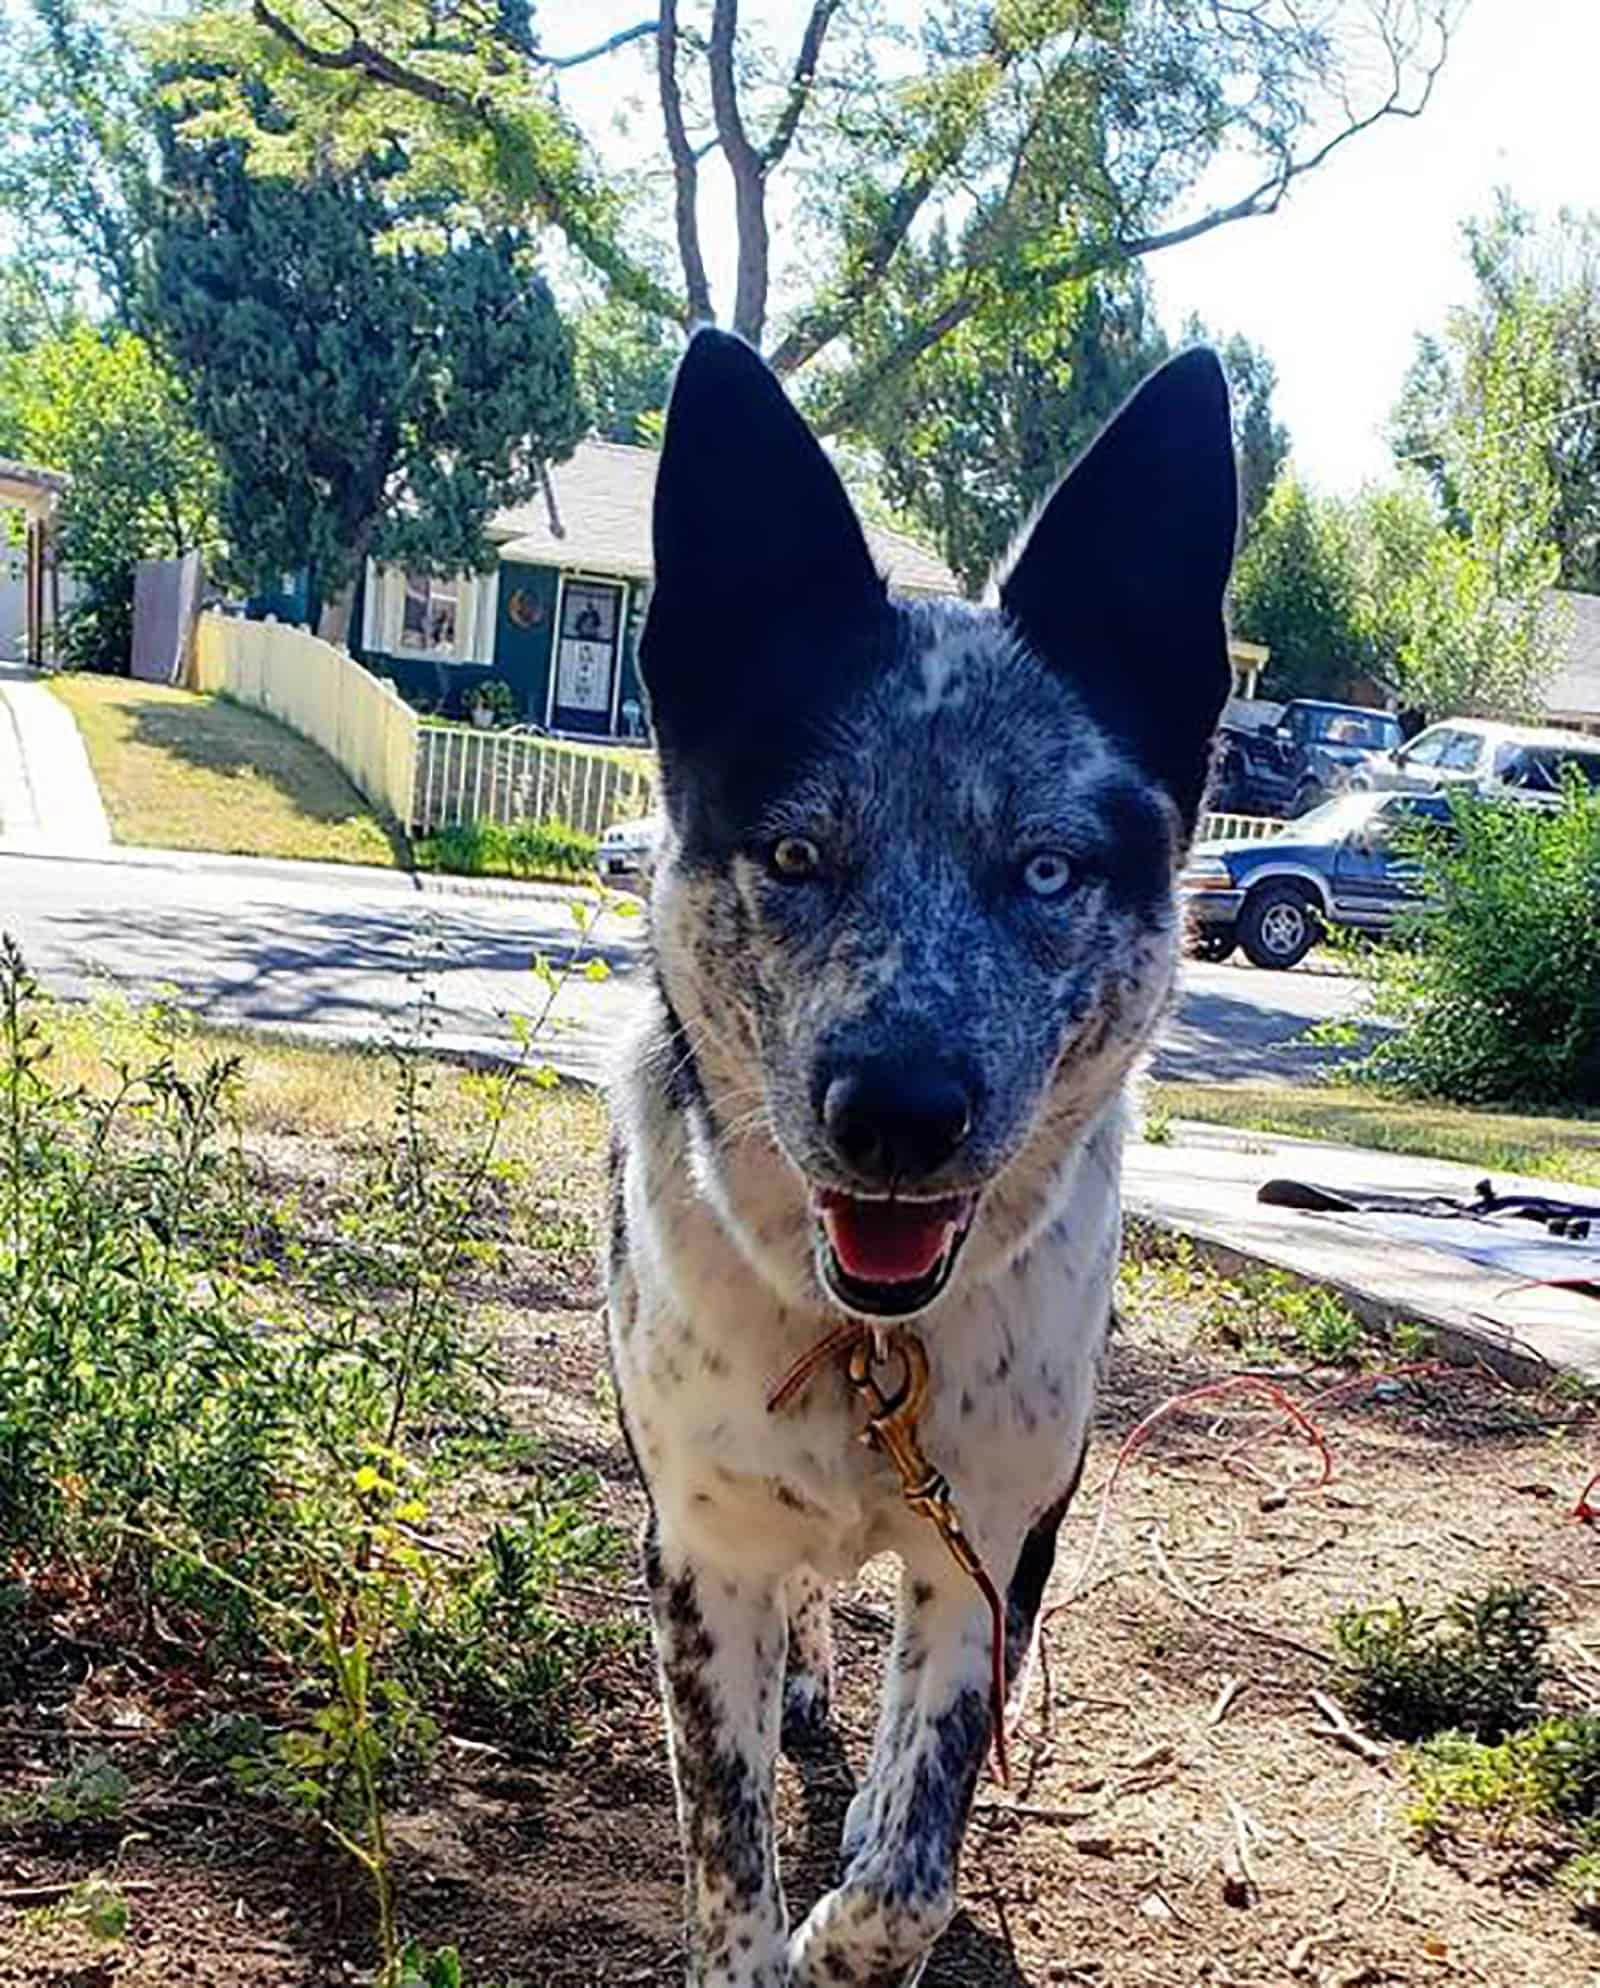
[(283, 869), (1456, 1339)]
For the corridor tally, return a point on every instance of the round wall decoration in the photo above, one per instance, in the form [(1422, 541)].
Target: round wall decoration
[(524, 610)]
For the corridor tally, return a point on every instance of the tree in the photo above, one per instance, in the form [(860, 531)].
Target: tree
[(75, 165), (1051, 140), (1517, 261), (371, 381), (1483, 636), (143, 484), (624, 361)]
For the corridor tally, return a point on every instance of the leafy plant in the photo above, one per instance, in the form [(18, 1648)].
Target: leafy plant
[(1495, 984), (529, 849), (1475, 1667)]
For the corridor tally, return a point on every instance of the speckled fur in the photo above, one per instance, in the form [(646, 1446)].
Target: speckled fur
[(960, 748)]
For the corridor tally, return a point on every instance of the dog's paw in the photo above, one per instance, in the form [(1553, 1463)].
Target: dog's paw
[(806, 1707), (861, 1936)]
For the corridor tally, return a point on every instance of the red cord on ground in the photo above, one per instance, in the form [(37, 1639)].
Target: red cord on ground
[(1583, 1510)]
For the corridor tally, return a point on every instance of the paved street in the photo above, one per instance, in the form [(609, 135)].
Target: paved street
[(288, 943)]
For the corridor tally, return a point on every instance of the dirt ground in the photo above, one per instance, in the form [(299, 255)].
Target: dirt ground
[(1179, 1814)]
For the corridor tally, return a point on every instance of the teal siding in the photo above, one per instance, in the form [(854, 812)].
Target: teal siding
[(524, 634)]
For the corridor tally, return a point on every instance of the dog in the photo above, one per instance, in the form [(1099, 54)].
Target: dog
[(911, 925)]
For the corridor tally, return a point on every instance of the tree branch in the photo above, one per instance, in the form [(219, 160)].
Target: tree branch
[(805, 72), (361, 57), (744, 163), (849, 405), (685, 169), (607, 47)]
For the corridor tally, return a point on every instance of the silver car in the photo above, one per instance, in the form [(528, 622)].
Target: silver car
[(1522, 760), (626, 858)]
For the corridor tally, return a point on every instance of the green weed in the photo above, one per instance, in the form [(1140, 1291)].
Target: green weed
[(1476, 1666), (528, 849)]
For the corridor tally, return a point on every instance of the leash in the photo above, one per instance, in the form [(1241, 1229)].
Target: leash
[(892, 1418)]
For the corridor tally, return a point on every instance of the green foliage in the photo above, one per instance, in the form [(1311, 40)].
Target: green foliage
[(1549, 1772), (103, 408), (75, 165), (1475, 1667), (624, 360), (373, 381), (1051, 140), (213, 1410), (1322, 581), (1519, 260), (1494, 984), (529, 849)]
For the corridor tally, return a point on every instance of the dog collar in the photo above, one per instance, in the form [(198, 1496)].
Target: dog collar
[(892, 1417)]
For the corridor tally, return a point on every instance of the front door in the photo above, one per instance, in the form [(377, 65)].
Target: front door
[(588, 655)]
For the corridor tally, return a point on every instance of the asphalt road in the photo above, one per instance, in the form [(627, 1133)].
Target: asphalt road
[(289, 944)]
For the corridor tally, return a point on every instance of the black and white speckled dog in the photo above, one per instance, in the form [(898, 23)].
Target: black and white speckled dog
[(913, 922)]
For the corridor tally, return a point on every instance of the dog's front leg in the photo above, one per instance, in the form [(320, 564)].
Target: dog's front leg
[(721, 1639), (905, 1828)]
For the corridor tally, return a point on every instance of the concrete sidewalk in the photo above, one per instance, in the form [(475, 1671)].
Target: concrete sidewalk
[(49, 801), (1203, 1184)]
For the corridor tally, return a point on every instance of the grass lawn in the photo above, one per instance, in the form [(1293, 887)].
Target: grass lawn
[(1553, 1148), (178, 771)]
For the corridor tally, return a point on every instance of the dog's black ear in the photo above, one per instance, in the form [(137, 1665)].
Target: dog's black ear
[(1120, 582), (751, 525)]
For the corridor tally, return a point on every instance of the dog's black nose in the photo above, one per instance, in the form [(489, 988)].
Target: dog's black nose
[(896, 1124)]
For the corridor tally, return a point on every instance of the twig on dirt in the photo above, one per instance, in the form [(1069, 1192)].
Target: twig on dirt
[(997, 1900), (618, 1597), (1381, 1904), (1231, 1687), (1342, 1733), (1032, 1812), (47, 1894), (1244, 1827), (1153, 1537)]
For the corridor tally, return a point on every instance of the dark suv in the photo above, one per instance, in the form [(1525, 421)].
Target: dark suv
[(1296, 761)]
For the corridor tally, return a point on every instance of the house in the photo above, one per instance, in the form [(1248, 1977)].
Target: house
[(558, 615), (1573, 699), (30, 587), (556, 618)]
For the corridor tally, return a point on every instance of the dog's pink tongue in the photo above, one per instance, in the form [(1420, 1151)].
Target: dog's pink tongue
[(888, 1242)]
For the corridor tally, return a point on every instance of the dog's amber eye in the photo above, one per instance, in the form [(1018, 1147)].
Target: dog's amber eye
[(1047, 874), (795, 858)]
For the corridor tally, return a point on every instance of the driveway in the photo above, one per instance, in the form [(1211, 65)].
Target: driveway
[(348, 957)]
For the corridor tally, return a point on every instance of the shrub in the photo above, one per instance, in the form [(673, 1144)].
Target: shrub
[(530, 849), (1476, 1667), (1495, 984)]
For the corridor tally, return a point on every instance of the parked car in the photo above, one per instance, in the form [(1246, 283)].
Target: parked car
[(1293, 762), (626, 857), (1525, 760), (1337, 865)]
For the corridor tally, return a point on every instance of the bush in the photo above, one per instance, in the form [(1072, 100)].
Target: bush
[(1495, 981), (1477, 1667), (530, 849)]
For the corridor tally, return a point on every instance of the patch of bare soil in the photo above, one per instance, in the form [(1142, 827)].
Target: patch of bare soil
[(1181, 1812)]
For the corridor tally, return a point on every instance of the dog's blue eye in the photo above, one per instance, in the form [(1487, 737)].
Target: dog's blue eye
[(1047, 874), (795, 858)]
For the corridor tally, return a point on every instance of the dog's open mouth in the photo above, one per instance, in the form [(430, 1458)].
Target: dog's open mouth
[(889, 1258)]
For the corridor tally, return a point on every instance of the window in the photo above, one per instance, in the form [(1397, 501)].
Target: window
[(450, 620), (429, 615), (1462, 752), (1429, 747), (1371, 730)]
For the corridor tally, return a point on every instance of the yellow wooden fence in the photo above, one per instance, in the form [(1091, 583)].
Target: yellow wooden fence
[(321, 693)]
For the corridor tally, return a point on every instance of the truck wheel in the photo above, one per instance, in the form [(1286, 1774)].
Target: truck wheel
[(1278, 926), (1212, 942)]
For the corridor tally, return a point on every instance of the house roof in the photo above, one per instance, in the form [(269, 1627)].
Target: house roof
[(28, 485), (598, 517), (1575, 691)]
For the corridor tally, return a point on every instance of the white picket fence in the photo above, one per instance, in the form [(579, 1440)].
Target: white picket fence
[(465, 775), (1237, 828)]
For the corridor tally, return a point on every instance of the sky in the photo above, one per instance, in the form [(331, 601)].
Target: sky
[(1367, 251)]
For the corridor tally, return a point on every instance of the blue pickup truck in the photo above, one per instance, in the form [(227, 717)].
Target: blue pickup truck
[(1338, 865), (1293, 761)]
